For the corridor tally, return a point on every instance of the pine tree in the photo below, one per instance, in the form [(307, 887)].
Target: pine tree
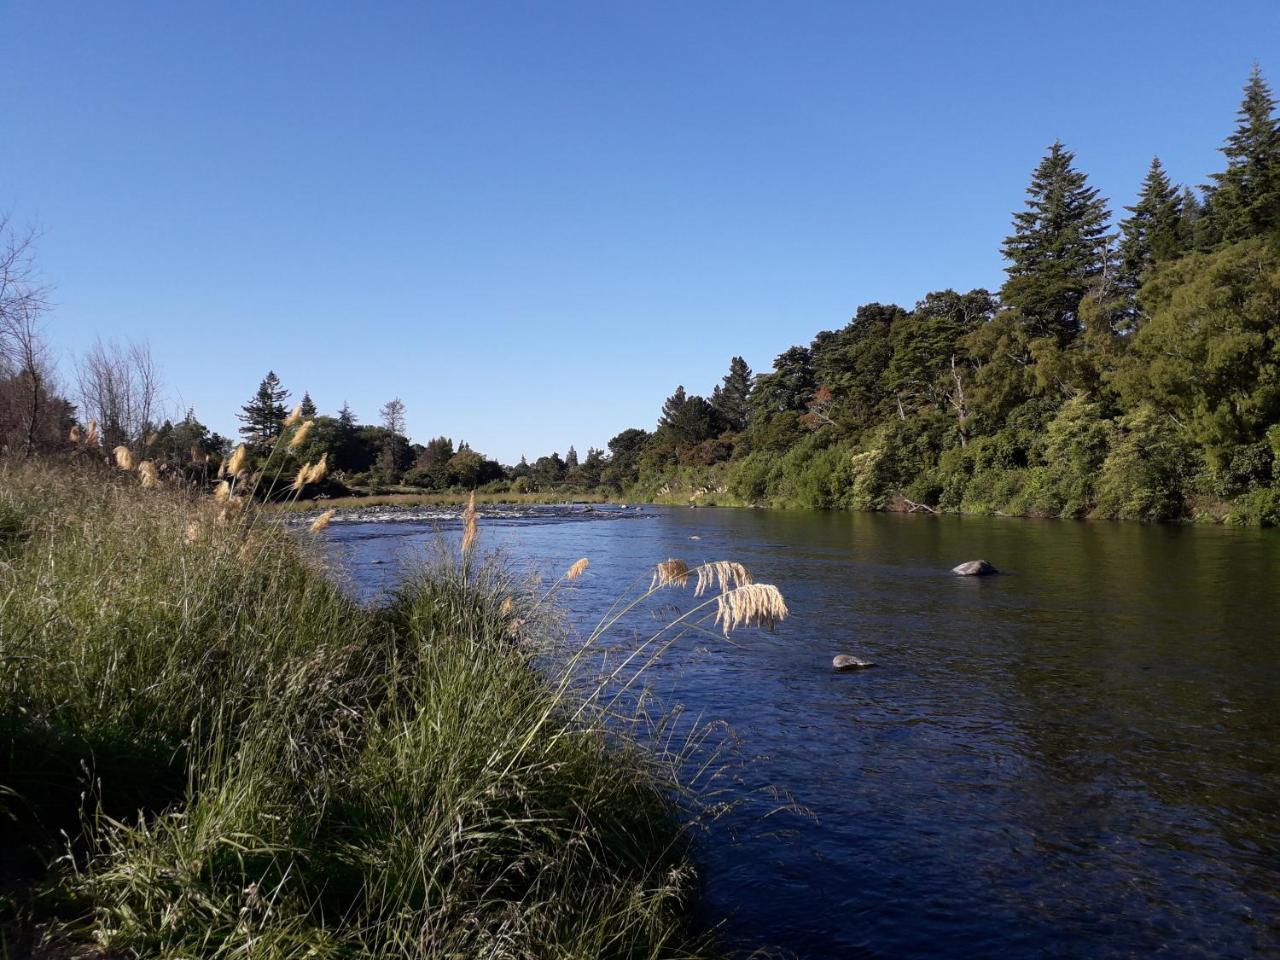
[(671, 409), (732, 398), (1057, 252), (571, 459), (263, 415), (308, 407), (346, 419), (1153, 233), (1244, 200)]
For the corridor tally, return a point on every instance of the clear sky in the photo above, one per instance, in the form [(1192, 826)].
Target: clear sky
[(531, 221)]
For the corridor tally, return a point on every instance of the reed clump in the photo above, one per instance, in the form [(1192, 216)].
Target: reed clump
[(238, 760)]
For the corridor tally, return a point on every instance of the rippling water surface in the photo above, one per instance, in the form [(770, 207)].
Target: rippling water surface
[(1080, 758)]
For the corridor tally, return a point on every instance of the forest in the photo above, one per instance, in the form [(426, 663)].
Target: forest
[(1127, 368)]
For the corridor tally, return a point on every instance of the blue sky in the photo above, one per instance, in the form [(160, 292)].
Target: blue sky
[(531, 221)]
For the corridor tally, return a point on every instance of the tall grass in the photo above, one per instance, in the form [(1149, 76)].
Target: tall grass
[(211, 751)]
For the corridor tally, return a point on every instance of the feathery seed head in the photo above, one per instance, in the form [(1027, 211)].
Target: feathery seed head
[(92, 437), (322, 521), (238, 460), (752, 604), (301, 435), (147, 474), (578, 569), (670, 572), (721, 574), (222, 492), (469, 531), (124, 457), (294, 416), (198, 456), (76, 436), (319, 469)]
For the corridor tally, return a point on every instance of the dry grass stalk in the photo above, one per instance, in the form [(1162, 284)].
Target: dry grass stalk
[(753, 604), (91, 438), (578, 569), (222, 492), (124, 457), (301, 435), (322, 521), (147, 474), (670, 572), (294, 416), (469, 530), (238, 460), (724, 575)]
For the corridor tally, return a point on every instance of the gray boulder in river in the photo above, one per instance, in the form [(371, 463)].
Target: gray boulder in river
[(844, 662), (974, 568)]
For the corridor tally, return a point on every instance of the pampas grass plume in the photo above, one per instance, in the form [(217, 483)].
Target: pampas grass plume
[(147, 474), (469, 531), (670, 572), (753, 604), (124, 457), (92, 438), (296, 440), (238, 460), (322, 521), (222, 492), (294, 416), (76, 436), (578, 569)]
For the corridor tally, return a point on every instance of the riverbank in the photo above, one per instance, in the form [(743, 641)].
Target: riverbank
[(243, 760), (452, 499)]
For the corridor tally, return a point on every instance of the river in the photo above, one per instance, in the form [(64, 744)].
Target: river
[(1077, 758)]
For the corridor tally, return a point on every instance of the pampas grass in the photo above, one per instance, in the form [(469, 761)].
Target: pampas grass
[(147, 474), (124, 457), (578, 568), (722, 575), (752, 604), (222, 492), (469, 526), (75, 436), (294, 416), (235, 465), (300, 435), (670, 572), (91, 438), (248, 763), (322, 521)]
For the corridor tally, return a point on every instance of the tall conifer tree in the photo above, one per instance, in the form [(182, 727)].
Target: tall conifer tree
[(1151, 234), (1057, 252), (1244, 200), (732, 397), (263, 415)]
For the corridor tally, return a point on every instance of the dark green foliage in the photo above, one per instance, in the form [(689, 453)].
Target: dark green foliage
[(1152, 233), (1244, 200), (1057, 250), (263, 415), (732, 397)]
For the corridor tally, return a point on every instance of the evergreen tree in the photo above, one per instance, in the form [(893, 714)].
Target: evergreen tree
[(789, 387), (308, 406), (1152, 232), (1057, 252), (263, 415), (346, 418), (571, 459), (671, 408), (732, 398), (1244, 200)]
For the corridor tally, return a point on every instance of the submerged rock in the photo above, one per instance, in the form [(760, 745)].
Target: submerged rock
[(974, 568), (844, 662)]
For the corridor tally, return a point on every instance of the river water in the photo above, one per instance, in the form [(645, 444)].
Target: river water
[(1077, 758)]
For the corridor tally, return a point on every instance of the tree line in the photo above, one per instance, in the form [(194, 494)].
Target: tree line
[(1126, 368)]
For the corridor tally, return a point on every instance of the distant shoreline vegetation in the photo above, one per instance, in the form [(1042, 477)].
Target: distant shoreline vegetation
[(1126, 371)]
